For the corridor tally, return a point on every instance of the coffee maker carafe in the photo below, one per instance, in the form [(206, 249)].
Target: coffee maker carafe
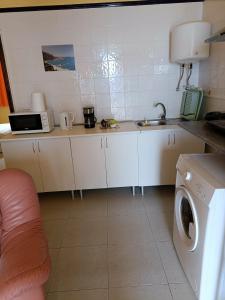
[(89, 117)]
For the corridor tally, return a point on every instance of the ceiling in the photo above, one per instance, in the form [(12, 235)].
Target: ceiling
[(10, 4), (30, 3)]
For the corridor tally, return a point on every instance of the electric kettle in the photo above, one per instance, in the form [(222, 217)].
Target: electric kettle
[(66, 120)]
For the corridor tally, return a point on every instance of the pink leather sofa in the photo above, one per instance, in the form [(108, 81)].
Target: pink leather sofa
[(24, 260)]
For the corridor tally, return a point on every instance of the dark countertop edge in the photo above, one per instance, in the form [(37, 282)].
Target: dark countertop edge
[(203, 131)]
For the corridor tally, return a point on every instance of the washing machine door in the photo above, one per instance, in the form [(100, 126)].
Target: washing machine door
[(186, 218)]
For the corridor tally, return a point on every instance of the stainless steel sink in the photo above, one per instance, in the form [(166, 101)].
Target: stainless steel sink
[(146, 123)]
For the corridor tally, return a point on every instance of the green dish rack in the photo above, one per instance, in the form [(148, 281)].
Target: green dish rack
[(192, 104)]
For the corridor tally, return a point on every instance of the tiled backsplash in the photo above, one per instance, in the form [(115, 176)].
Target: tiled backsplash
[(212, 70), (122, 59)]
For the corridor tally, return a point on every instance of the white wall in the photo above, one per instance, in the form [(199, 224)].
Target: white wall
[(122, 58), (212, 70)]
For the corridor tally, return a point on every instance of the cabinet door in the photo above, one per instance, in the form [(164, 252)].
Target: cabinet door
[(187, 142), (182, 142), (89, 162), (122, 160), (154, 164), (56, 164), (23, 155)]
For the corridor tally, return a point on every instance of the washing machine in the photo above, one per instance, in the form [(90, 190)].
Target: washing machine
[(199, 221)]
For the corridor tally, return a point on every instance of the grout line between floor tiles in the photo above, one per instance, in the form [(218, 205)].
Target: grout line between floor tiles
[(162, 262), (149, 223), (171, 291), (77, 290), (137, 285), (156, 243), (113, 287)]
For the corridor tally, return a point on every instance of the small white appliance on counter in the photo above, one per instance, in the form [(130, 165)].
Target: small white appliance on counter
[(38, 102), (199, 223), (66, 120), (31, 122)]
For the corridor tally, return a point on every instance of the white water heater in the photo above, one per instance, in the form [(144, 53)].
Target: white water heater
[(188, 42)]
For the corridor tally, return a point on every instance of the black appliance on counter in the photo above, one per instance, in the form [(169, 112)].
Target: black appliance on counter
[(89, 117), (216, 120)]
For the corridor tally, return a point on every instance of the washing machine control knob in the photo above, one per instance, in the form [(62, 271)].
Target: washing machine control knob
[(188, 176)]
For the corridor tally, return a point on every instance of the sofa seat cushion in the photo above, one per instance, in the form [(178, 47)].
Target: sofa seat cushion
[(24, 261)]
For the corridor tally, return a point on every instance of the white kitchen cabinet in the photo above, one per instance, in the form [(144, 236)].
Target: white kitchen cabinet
[(23, 155), (122, 159), (56, 164), (153, 152), (105, 161), (159, 151), (88, 154), (48, 161)]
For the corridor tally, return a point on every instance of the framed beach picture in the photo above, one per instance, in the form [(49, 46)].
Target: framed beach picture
[(58, 58)]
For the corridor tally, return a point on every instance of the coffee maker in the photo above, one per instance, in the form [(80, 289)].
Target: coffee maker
[(89, 117)]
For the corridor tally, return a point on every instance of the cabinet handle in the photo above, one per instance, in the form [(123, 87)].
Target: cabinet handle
[(33, 147), (174, 138), (101, 142), (106, 142), (169, 139), (38, 147)]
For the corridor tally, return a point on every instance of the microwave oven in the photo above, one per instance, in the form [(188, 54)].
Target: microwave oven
[(31, 122)]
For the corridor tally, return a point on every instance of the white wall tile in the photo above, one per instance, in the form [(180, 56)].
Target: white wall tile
[(117, 100), (102, 100), (116, 68), (121, 57), (87, 86), (101, 86), (116, 84), (212, 70), (88, 100), (118, 113), (103, 113), (145, 83), (131, 83)]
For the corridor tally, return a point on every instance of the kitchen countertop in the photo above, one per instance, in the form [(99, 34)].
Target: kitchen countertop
[(79, 130), (198, 128), (209, 135)]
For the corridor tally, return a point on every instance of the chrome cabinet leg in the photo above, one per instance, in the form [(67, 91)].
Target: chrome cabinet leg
[(81, 194), (133, 190), (142, 191), (72, 194)]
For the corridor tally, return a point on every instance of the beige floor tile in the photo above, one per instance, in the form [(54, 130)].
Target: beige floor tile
[(55, 205), (54, 258), (154, 292), (172, 267), (85, 232), (129, 229), (122, 202), (54, 230), (79, 295), (182, 292), (93, 204), (159, 198), (135, 265), (161, 225), (81, 268)]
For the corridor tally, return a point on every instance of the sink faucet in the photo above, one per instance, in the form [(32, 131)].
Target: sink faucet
[(163, 115)]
